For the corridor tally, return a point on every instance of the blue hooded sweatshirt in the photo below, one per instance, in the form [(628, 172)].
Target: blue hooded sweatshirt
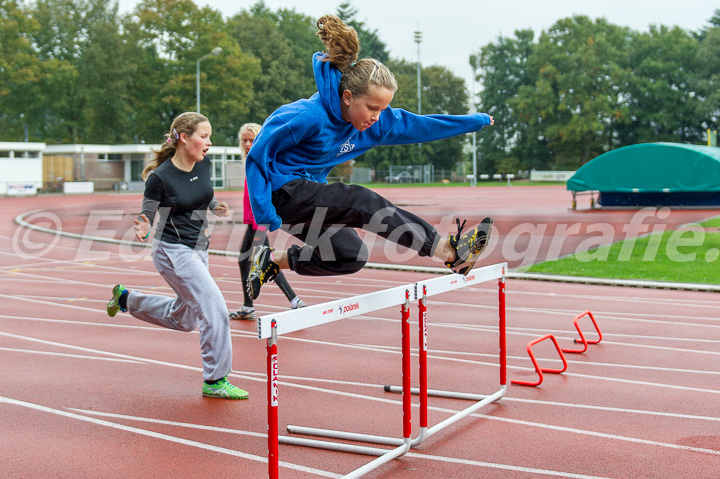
[(308, 138)]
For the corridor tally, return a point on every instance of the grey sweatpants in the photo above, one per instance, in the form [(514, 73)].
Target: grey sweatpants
[(199, 301)]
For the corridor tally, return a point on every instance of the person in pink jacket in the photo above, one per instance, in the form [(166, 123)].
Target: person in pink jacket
[(255, 235)]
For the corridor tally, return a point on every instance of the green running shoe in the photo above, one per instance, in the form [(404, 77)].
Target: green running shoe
[(469, 246), (224, 390), (263, 270), (113, 305)]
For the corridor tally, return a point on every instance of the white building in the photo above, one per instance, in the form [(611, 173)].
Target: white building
[(106, 167), (21, 164)]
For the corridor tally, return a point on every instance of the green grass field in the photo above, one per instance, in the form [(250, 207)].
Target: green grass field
[(450, 185), (691, 256), (439, 184)]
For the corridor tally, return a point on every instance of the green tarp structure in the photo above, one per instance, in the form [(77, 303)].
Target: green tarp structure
[(653, 174)]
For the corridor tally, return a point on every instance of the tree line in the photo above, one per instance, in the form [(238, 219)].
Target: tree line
[(76, 71), (587, 86)]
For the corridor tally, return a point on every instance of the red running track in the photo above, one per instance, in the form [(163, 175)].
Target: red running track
[(85, 395)]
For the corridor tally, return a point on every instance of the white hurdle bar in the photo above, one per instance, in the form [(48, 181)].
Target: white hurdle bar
[(272, 326), (422, 290)]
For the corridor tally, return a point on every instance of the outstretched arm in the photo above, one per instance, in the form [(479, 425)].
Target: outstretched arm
[(410, 127)]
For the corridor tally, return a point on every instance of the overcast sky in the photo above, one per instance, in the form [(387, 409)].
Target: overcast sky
[(454, 29)]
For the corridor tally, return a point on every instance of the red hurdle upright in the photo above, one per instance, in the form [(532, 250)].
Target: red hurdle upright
[(272, 397)]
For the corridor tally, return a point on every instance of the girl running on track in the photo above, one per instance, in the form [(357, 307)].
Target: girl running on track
[(257, 235), (178, 186), (301, 142)]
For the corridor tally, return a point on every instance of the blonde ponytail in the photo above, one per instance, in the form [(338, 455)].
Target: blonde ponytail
[(343, 47), (340, 40)]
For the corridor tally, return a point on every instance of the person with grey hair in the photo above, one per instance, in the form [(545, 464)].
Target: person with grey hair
[(255, 235), (300, 143)]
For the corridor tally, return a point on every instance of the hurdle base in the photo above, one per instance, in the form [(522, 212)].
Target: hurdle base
[(482, 401), (440, 394), (350, 436), (372, 465), (332, 446), (385, 455)]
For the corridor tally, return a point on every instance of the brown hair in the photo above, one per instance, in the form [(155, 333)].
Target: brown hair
[(184, 123), (343, 48), (254, 128)]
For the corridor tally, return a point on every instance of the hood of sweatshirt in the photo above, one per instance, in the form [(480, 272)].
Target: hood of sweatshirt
[(327, 79)]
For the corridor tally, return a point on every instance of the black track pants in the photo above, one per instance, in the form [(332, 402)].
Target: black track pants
[(324, 217)]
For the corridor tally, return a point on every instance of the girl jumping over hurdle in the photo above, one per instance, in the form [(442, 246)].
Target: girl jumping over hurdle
[(301, 142)]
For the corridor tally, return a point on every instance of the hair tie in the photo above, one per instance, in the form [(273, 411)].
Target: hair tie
[(168, 140)]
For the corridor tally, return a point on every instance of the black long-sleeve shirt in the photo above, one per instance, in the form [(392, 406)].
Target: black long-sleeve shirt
[(182, 198)]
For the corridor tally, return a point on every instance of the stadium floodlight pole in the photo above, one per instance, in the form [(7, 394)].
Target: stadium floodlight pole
[(473, 63), (418, 40), (215, 51)]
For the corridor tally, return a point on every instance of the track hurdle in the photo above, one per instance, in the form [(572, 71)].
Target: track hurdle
[(582, 339), (422, 290), (537, 367), (272, 326), (441, 285)]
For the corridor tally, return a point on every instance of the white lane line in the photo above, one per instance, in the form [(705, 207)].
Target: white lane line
[(170, 423), (98, 351), (389, 401), (607, 315), (710, 303), (614, 409), (514, 331), (570, 362), (468, 361), (569, 314), (599, 434), (430, 457), (590, 335), (594, 377), (512, 399), (526, 470), (515, 421), (261, 376), (65, 355), (623, 316), (233, 253), (165, 437), (534, 333), (51, 303), (139, 327)]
